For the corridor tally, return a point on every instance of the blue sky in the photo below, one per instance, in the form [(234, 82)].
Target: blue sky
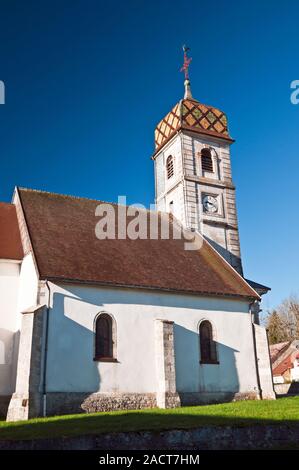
[(87, 81)]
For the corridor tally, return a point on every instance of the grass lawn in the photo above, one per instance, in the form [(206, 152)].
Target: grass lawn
[(243, 413)]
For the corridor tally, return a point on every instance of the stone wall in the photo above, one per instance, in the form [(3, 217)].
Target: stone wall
[(60, 403), (204, 398), (201, 438), (287, 388), (67, 403)]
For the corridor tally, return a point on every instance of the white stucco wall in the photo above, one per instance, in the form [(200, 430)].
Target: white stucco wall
[(71, 341), (18, 291), (28, 285), (295, 371), (9, 284)]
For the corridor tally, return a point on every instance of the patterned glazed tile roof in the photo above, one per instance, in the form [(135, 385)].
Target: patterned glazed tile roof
[(191, 114)]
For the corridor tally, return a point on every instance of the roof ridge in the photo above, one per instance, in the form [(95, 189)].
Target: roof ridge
[(70, 196)]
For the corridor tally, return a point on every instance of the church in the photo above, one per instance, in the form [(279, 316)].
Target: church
[(92, 323)]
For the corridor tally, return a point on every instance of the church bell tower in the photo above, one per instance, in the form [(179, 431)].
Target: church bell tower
[(193, 178)]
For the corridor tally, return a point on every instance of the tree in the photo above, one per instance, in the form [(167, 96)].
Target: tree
[(283, 322), (276, 330)]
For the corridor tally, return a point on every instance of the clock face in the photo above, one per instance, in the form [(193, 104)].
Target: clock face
[(210, 204)]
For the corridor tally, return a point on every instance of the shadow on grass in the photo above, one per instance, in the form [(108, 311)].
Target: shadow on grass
[(250, 413)]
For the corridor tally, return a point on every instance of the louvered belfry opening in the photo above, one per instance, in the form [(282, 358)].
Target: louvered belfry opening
[(169, 167), (104, 341), (208, 353), (206, 160)]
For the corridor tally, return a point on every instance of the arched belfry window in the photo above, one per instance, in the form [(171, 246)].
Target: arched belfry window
[(170, 167), (208, 351), (206, 160), (105, 340)]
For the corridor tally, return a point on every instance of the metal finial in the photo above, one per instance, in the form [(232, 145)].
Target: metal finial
[(186, 64), (185, 69)]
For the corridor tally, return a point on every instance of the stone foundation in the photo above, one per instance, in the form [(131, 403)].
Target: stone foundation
[(124, 401), (59, 403), (168, 400), (204, 398), (68, 403)]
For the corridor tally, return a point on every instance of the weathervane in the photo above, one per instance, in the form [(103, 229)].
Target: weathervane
[(187, 60)]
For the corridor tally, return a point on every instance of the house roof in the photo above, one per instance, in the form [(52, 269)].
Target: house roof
[(284, 365), (277, 349), (10, 241), (62, 233), (260, 288)]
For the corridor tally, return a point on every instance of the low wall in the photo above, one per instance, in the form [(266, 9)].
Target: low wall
[(210, 437), (287, 389)]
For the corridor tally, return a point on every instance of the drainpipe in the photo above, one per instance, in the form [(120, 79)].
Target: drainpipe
[(44, 386), (252, 309)]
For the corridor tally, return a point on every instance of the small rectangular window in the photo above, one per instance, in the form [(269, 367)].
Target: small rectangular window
[(169, 167)]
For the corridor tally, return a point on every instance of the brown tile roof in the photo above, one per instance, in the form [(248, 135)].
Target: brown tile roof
[(285, 365), (10, 241), (62, 232), (277, 349)]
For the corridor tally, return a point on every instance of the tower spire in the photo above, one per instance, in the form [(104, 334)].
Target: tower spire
[(185, 69)]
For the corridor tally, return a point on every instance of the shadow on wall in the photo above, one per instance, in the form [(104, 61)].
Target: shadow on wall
[(9, 342), (73, 375), (6, 346), (127, 296), (201, 383), (226, 254), (71, 369)]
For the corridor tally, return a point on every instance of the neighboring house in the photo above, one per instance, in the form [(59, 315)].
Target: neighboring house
[(285, 361), (89, 324)]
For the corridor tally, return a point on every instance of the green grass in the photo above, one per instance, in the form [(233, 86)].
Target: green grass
[(245, 413)]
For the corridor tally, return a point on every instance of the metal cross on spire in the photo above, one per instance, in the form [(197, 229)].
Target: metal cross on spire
[(187, 60), (185, 69)]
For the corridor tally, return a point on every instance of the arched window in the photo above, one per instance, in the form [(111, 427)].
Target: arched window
[(208, 352), (104, 337), (169, 167), (206, 160)]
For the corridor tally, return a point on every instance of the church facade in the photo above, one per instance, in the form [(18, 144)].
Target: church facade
[(89, 324)]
